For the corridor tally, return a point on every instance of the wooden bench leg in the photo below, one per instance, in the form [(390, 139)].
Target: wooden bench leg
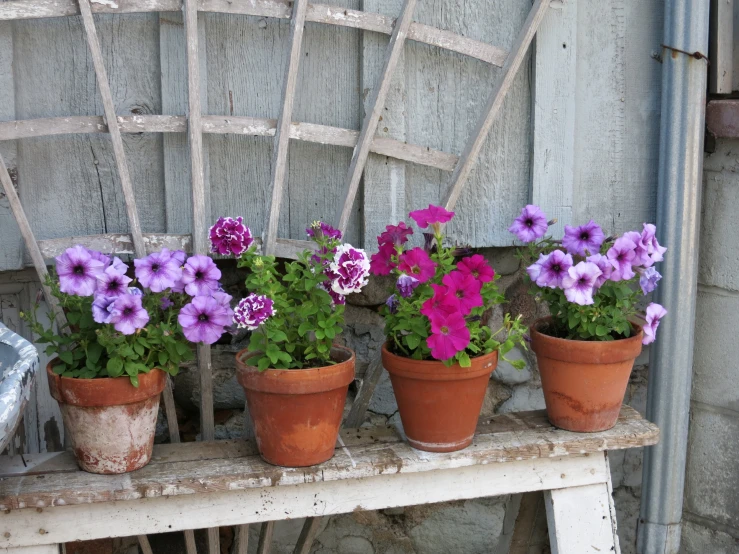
[(582, 519), (43, 549)]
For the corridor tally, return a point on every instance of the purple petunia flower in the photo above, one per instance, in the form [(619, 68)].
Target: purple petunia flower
[(230, 236), (101, 308), (111, 283), (641, 258), (223, 299), (648, 279), (118, 266), (204, 319), (406, 285), (622, 256), (135, 291), (128, 315), (253, 311), (530, 225), (324, 229), (654, 251), (349, 271), (583, 240), (166, 302), (655, 313), (605, 268), (158, 271), (78, 271), (392, 303), (579, 282), (99, 256), (553, 269), (336, 298), (180, 256), (200, 276), (534, 270)]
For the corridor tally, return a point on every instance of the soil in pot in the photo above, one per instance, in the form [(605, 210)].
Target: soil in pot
[(297, 412), (584, 382), (439, 406), (110, 422)]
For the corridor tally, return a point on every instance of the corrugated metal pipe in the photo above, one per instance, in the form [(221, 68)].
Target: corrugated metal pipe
[(684, 74)]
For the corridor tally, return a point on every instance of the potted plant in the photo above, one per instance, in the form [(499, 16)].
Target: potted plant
[(294, 377), (439, 352), (592, 285), (123, 335)]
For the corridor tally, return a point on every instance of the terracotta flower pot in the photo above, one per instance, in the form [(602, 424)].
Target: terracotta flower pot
[(584, 382), (439, 406), (110, 422), (297, 412)]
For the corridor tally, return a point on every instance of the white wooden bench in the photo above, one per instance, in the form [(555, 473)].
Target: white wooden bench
[(49, 501)]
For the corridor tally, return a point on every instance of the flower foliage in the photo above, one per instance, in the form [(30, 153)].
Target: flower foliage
[(437, 306), (118, 325), (296, 311), (592, 284)]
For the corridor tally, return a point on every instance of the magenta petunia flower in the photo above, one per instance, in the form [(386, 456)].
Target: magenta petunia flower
[(78, 271), (655, 313), (649, 279), (478, 267), (204, 319), (605, 267), (200, 276), (158, 271), (406, 285), (463, 290), (111, 283), (253, 311), (324, 229), (230, 236), (439, 303), (381, 263), (583, 240), (395, 234), (349, 271), (622, 256), (101, 308), (648, 241), (128, 315), (554, 267), (431, 216), (579, 282), (449, 335), (530, 225), (416, 263)]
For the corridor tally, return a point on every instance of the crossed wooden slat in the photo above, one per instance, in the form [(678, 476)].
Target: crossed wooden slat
[(283, 129)]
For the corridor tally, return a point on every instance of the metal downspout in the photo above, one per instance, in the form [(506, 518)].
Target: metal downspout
[(678, 224)]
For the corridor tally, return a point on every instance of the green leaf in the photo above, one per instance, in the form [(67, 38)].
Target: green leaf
[(134, 380), (66, 357), (94, 351), (115, 367), (464, 359), (601, 331), (163, 358), (58, 369), (412, 341), (139, 349)]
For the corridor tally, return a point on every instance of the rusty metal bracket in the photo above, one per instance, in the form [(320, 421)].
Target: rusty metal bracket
[(697, 55)]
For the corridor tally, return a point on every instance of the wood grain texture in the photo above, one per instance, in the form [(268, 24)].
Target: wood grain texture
[(374, 110), (364, 396), (282, 132), (307, 535), (144, 544), (242, 540)]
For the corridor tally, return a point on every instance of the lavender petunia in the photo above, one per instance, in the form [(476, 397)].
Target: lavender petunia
[(253, 311), (118, 266), (654, 251), (530, 225), (204, 319), (579, 282), (112, 283), (534, 270), (554, 267), (605, 267), (158, 271), (583, 240), (128, 315), (406, 285), (135, 291), (349, 271), (200, 276), (78, 271), (392, 303), (649, 279), (641, 257), (654, 314), (622, 255), (101, 308)]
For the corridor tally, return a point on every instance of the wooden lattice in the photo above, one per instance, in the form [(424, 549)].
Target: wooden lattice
[(283, 129)]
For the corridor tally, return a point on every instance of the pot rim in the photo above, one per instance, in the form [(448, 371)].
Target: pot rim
[(104, 391), (435, 370)]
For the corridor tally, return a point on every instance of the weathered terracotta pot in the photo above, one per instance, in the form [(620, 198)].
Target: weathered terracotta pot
[(584, 382), (297, 412), (439, 406), (110, 422)]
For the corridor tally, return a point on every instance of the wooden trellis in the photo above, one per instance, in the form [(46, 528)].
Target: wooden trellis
[(283, 129)]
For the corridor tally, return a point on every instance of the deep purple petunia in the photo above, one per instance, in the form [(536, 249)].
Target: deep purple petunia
[(655, 313), (530, 225), (579, 282), (253, 311), (478, 267), (204, 319), (622, 256), (101, 308), (349, 271), (554, 267), (128, 315), (78, 271), (200, 276), (605, 268), (392, 303), (336, 298), (159, 271), (432, 215), (649, 279), (319, 227), (111, 283), (583, 240), (230, 236), (406, 285), (395, 234)]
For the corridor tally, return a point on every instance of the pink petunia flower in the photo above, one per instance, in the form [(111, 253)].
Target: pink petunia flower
[(478, 267), (449, 335), (439, 303), (463, 290), (381, 263), (431, 216), (395, 234), (416, 263)]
